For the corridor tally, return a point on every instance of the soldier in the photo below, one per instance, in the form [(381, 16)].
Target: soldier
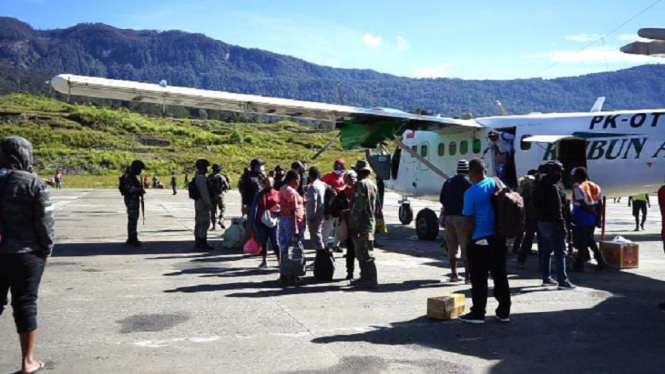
[(202, 205), (27, 241), (218, 184), (174, 182), (362, 224), (133, 191)]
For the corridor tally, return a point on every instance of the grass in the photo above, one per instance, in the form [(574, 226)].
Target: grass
[(92, 145)]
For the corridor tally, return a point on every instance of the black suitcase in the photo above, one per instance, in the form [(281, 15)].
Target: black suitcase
[(324, 265)]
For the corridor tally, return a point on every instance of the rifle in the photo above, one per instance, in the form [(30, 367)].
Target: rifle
[(143, 209)]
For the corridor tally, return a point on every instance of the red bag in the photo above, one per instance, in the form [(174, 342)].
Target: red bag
[(252, 247)]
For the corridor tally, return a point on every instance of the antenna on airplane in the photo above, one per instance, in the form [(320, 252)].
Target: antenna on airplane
[(503, 110)]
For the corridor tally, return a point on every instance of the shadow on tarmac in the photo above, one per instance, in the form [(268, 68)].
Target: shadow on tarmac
[(623, 333), (110, 249)]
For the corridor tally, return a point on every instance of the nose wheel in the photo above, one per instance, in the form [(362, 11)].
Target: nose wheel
[(405, 213)]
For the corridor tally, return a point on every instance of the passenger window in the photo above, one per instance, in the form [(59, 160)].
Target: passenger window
[(477, 146), (442, 149), (423, 151), (525, 146), (464, 147), (452, 148)]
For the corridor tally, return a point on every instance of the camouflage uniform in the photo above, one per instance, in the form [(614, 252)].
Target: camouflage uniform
[(362, 224), (133, 203), (202, 207), (217, 198)]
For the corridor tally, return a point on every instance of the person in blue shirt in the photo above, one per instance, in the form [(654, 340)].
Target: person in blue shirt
[(487, 250)]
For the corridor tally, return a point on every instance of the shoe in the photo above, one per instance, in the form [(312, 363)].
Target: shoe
[(502, 319), (221, 224), (349, 276), (549, 282), (365, 285), (212, 228), (338, 249), (637, 229), (356, 282), (642, 226), (470, 318), (566, 286), (263, 265), (455, 278)]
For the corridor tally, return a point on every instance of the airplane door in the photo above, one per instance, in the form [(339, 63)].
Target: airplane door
[(571, 152), (380, 161)]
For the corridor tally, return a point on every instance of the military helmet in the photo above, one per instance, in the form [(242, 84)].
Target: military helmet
[(216, 168), (202, 163), (137, 166)]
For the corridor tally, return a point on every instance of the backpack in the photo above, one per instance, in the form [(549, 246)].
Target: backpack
[(509, 212), (328, 199), (122, 187), (324, 265), (216, 185), (193, 190)]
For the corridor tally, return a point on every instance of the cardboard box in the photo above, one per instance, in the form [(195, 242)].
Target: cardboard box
[(446, 306), (621, 255)]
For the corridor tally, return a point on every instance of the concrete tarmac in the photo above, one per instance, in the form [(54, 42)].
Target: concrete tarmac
[(164, 308)]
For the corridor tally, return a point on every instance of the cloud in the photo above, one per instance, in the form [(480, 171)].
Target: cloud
[(583, 38), (371, 41), (632, 38), (402, 43), (437, 71), (593, 56)]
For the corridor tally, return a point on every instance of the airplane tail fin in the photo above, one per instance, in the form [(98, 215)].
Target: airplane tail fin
[(598, 106)]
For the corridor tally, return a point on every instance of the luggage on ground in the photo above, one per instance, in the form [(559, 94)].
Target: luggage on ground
[(292, 264), (324, 265), (234, 236)]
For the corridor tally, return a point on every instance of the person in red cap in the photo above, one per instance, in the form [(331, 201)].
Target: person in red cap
[(334, 179)]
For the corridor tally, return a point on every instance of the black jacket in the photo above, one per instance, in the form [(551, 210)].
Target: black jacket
[(549, 202), (452, 194), (26, 211), (251, 184)]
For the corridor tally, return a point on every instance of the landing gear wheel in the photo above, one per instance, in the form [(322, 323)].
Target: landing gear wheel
[(405, 214), (427, 225)]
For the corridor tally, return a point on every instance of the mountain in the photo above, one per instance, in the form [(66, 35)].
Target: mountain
[(28, 57)]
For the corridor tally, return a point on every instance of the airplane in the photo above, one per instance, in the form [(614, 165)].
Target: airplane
[(622, 150)]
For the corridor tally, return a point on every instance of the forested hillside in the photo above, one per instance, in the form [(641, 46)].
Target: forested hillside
[(28, 57)]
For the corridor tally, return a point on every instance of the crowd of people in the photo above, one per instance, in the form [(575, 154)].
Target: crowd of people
[(344, 205)]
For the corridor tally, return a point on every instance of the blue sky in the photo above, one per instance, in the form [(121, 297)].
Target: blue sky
[(472, 39)]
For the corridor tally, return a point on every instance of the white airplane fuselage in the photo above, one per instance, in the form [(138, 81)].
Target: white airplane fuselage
[(624, 151)]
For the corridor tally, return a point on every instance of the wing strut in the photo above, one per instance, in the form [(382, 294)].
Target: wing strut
[(415, 155)]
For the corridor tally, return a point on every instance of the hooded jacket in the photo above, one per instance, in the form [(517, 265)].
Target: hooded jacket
[(26, 212)]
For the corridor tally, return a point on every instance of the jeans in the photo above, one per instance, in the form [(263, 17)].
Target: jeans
[(524, 242), (584, 241), (484, 259), (21, 273), (265, 233), (554, 240), (286, 232)]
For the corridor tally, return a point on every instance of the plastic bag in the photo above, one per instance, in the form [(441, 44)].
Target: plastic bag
[(342, 231), (252, 247)]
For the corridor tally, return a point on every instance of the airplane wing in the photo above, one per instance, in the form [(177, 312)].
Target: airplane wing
[(359, 127)]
